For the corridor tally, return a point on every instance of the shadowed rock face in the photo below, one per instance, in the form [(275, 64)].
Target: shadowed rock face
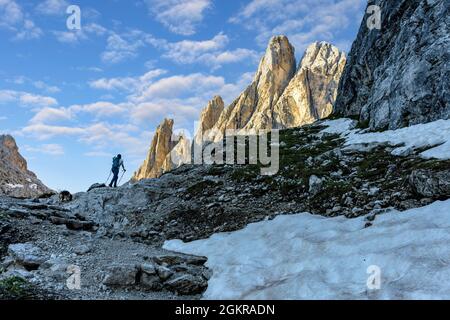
[(15, 178), (400, 75)]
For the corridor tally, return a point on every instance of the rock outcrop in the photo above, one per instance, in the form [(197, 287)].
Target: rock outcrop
[(400, 75), (15, 178), (166, 153), (278, 97), (311, 94), (156, 161), (208, 119), (253, 108)]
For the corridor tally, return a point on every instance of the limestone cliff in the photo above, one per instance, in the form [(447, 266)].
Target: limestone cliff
[(160, 147), (399, 75), (15, 178), (311, 94), (208, 119), (253, 108)]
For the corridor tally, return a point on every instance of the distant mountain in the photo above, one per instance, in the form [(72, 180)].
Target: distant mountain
[(280, 96), (15, 178)]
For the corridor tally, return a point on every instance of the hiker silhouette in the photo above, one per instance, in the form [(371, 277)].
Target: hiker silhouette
[(117, 163)]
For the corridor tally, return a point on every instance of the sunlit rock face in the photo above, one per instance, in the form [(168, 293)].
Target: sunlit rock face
[(311, 94), (208, 120), (253, 108), (15, 178), (280, 96), (399, 75), (160, 148)]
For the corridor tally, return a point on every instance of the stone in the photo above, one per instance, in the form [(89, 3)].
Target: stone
[(164, 273), (399, 76), (187, 284), (150, 281), (430, 184), (15, 178), (82, 249), (97, 186), (27, 255), (315, 185), (173, 260), (122, 275)]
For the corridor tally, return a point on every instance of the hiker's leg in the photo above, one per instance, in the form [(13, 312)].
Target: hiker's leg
[(115, 178)]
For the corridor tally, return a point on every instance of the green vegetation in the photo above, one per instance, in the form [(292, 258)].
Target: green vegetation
[(14, 288), (203, 186)]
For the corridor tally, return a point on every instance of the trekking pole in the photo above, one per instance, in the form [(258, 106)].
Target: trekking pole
[(121, 176), (108, 177)]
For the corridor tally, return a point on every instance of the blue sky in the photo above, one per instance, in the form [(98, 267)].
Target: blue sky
[(74, 98)]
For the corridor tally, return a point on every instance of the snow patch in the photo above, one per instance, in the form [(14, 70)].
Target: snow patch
[(436, 133), (305, 256), (14, 186)]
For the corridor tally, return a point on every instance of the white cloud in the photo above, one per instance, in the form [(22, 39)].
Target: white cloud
[(44, 86), (303, 21), (208, 52), (11, 13), (179, 85), (127, 83), (47, 114), (21, 80), (100, 109), (13, 18), (26, 99), (52, 7), (122, 47), (29, 31), (42, 131), (179, 16), (50, 149), (76, 36)]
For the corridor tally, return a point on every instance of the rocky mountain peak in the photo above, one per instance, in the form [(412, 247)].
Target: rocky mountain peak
[(278, 97), (15, 178), (9, 151), (323, 57), (208, 118), (253, 108), (160, 147), (310, 95)]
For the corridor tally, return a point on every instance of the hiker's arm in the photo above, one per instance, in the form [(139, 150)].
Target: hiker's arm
[(123, 167)]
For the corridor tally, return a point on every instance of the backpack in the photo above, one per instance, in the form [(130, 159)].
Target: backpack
[(116, 163)]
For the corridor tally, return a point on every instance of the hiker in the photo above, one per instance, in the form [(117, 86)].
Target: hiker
[(117, 163)]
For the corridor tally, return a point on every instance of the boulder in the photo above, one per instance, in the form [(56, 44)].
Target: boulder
[(97, 186), (122, 275), (187, 284), (27, 255), (315, 185), (430, 183)]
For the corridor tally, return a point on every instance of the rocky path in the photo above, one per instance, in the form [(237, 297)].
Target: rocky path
[(51, 256)]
